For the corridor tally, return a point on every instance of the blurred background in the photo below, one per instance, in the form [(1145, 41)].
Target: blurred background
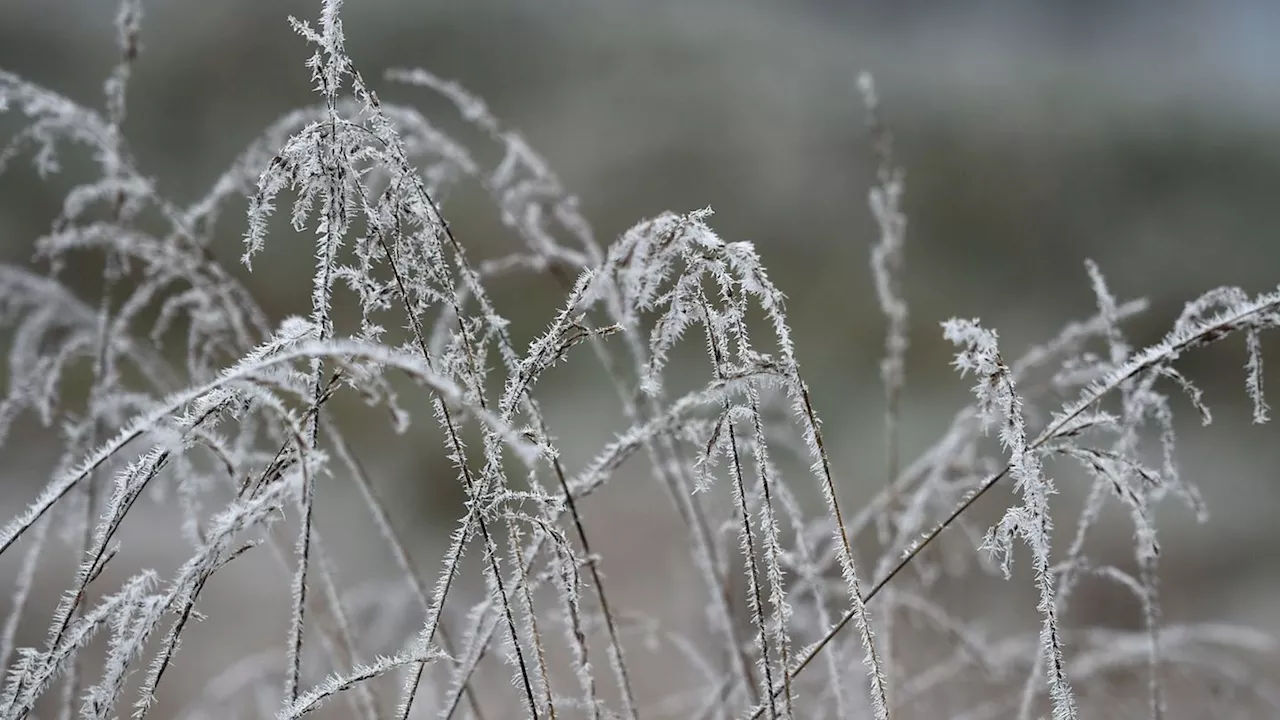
[(1035, 134)]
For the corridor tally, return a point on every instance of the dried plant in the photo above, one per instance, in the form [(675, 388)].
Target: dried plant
[(234, 438)]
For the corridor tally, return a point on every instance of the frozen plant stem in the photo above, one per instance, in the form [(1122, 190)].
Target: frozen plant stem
[(887, 264)]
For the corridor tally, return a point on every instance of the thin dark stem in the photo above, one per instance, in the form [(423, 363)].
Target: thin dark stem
[(471, 487)]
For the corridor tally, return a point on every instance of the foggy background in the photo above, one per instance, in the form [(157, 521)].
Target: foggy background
[(1034, 135)]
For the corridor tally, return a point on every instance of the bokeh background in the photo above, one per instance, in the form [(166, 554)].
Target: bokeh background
[(1035, 134)]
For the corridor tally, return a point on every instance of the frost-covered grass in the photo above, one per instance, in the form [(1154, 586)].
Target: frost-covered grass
[(812, 607)]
